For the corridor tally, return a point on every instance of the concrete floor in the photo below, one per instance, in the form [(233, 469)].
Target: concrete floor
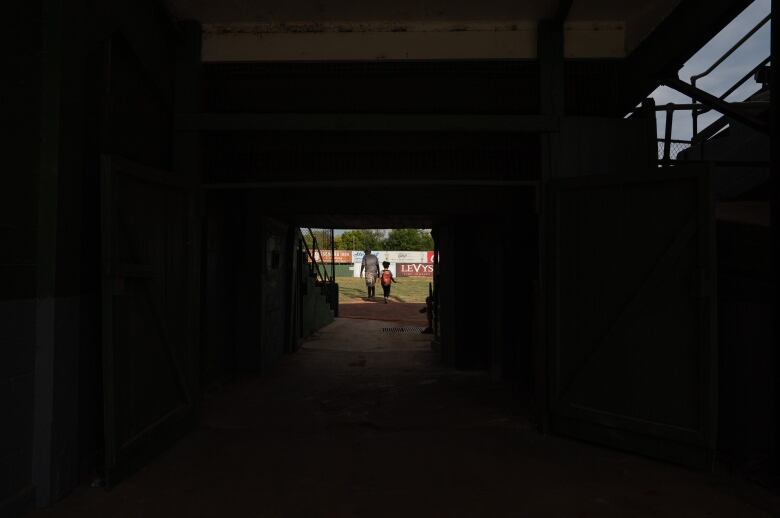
[(365, 423)]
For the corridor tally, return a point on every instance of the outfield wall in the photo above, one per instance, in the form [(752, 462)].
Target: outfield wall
[(403, 269), (345, 270), (402, 263), (356, 269), (356, 256), (395, 256)]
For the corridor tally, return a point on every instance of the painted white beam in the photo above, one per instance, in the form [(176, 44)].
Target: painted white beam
[(247, 45), (366, 42)]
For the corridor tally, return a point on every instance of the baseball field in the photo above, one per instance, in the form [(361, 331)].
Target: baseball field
[(407, 289)]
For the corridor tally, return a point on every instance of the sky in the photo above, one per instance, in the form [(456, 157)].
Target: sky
[(729, 72)]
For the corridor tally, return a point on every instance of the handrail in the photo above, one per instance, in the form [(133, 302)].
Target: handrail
[(731, 51), (695, 113), (745, 78), (309, 254), (318, 267), (325, 277), (674, 141)]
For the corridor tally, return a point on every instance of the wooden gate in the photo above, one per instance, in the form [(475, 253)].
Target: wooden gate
[(631, 339), (149, 247)]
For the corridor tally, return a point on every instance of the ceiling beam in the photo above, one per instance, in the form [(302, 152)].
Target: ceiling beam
[(370, 184), (373, 122)]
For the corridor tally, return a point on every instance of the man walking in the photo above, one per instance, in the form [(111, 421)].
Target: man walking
[(370, 265)]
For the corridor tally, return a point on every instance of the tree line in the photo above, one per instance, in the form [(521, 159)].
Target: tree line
[(411, 239)]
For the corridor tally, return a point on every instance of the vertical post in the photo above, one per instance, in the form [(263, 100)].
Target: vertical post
[(668, 132), (440, 342), (648, 112), (551, 67), (694, 114), (187, 166), (46, 259), (550, 51), (435, 290), (775, 222), (332, 256), (314, 249)]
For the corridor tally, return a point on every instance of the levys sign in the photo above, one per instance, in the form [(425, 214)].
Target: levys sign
[(414, 270)]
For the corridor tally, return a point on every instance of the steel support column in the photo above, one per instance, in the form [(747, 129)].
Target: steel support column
[(550, 53), (775, 226), (188, 169), (551, 72), (48, 187)]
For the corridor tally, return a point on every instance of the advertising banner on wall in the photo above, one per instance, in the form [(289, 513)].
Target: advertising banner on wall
[(414, 270), (341, 256), (404, 257), (395, 256), (357, 256)]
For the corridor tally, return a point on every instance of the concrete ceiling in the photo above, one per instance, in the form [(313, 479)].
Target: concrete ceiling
[(259, 30)]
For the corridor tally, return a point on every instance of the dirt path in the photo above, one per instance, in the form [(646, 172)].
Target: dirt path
[(408, 313)]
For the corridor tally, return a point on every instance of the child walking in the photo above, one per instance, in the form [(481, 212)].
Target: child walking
[(387, 279)]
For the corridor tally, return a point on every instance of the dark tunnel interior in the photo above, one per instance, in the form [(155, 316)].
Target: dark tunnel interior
[(595, 330)]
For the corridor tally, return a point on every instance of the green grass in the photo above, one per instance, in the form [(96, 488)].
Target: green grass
[(407, 289)]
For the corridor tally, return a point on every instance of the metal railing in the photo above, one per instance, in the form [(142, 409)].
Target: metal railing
[(667, 143), (695, 112), (668, 147), (317, 262)]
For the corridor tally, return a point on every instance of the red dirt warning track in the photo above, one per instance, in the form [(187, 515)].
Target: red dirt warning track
[(407, 312)]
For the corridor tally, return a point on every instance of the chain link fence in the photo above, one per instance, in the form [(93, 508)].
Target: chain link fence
[(675, 148)]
